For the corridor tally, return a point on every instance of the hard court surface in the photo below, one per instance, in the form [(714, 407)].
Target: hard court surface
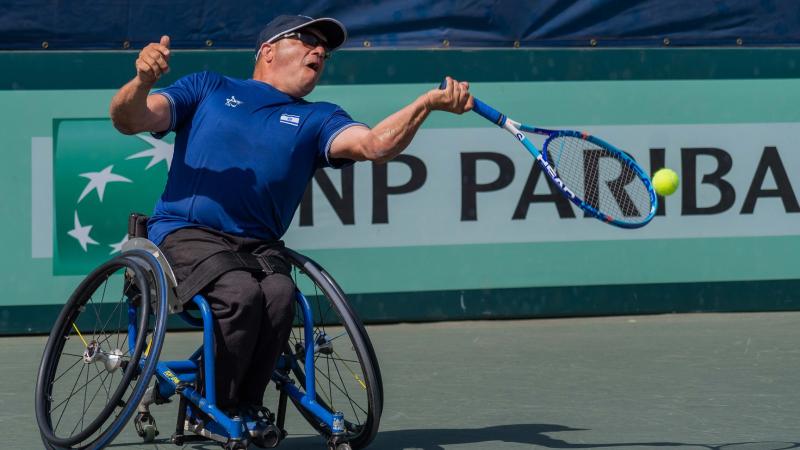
[(696, 381)]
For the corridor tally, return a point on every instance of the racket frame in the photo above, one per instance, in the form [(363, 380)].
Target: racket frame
[(517, 129)]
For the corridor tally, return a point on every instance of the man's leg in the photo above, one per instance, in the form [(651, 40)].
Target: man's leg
[(278, 314), (236, 301)]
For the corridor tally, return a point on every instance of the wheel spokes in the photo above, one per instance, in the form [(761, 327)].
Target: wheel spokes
[(89, 387)]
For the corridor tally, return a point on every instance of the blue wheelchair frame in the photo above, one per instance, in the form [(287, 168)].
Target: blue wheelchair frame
[(149, 279), (178, 377)]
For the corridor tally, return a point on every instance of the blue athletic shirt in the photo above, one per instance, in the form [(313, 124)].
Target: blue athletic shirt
[(244, 153)]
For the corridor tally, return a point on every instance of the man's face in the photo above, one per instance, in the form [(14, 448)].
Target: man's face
[(299, 61)]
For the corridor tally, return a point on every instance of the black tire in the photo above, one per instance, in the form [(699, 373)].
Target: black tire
[(126, 292), (347, 376)]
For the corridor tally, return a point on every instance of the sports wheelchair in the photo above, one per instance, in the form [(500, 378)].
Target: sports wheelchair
[(104, 350)]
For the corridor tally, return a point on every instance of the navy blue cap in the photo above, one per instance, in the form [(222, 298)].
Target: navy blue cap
[(331, 29)]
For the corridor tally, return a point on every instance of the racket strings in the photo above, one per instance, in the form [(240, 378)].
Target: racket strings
[(598, 176)]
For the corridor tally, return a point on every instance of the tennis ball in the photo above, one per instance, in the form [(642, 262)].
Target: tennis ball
[(665, 181)]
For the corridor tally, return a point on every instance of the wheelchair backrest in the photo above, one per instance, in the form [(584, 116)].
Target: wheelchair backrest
[(137, 239)]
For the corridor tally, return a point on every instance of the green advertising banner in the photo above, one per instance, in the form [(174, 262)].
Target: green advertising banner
[(418, 238)]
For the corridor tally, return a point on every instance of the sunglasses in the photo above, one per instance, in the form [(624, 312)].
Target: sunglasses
[(309, 39)]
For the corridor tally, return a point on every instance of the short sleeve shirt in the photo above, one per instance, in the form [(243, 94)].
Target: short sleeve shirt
[(244, 153)]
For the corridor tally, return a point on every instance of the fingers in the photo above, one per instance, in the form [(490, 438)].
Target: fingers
[(470, 103), (448, 87), (460, 97), (457, 91), (454, 97), (465, 102), (153, 60)]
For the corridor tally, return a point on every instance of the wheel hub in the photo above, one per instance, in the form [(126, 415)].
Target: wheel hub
[(94, 354)]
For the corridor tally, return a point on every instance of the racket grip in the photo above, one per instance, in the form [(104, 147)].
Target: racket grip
[(486, 111)]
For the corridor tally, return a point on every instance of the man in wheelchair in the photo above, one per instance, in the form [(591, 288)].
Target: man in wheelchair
[(244, 153)]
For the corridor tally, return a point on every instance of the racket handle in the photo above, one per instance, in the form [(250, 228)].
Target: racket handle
[(486, 111), (489, 113)]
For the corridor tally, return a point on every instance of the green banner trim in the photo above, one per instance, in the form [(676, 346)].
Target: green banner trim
[(517, 303), (37, 70)]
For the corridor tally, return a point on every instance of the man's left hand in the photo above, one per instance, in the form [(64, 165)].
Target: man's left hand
[(454, 98)]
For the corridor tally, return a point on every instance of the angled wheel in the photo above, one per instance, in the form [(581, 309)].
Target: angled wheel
[(346, 376), (101, 353)]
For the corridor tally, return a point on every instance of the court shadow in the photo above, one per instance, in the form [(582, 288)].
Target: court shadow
[(532, 434)]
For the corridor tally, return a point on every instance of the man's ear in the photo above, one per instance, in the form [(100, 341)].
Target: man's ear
[(268, 52)]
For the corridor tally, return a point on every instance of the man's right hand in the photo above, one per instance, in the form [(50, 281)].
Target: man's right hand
[(153, 61), (132, 110)]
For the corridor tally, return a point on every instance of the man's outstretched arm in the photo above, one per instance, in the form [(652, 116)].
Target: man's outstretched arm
[(394, 133), (132, 109)]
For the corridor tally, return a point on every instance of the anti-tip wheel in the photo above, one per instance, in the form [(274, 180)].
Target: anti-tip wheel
[(145, 426), (150, 433)]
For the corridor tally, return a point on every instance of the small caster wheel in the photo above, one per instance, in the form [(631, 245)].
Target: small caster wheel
[(178, 440), (268, 436), (150, 433), (145, 426)]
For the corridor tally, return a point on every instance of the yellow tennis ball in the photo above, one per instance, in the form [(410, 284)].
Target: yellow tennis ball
[(665, 181)]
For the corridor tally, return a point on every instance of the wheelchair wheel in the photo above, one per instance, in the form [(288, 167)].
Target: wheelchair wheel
[(101, 353), (346, 377)]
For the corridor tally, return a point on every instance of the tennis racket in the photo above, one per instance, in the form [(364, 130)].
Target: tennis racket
[(599, 178)]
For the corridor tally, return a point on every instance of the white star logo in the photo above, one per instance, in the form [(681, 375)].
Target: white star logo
[(161, 151), (116, 248), (81, 233), (98, 180), (232, 102)]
